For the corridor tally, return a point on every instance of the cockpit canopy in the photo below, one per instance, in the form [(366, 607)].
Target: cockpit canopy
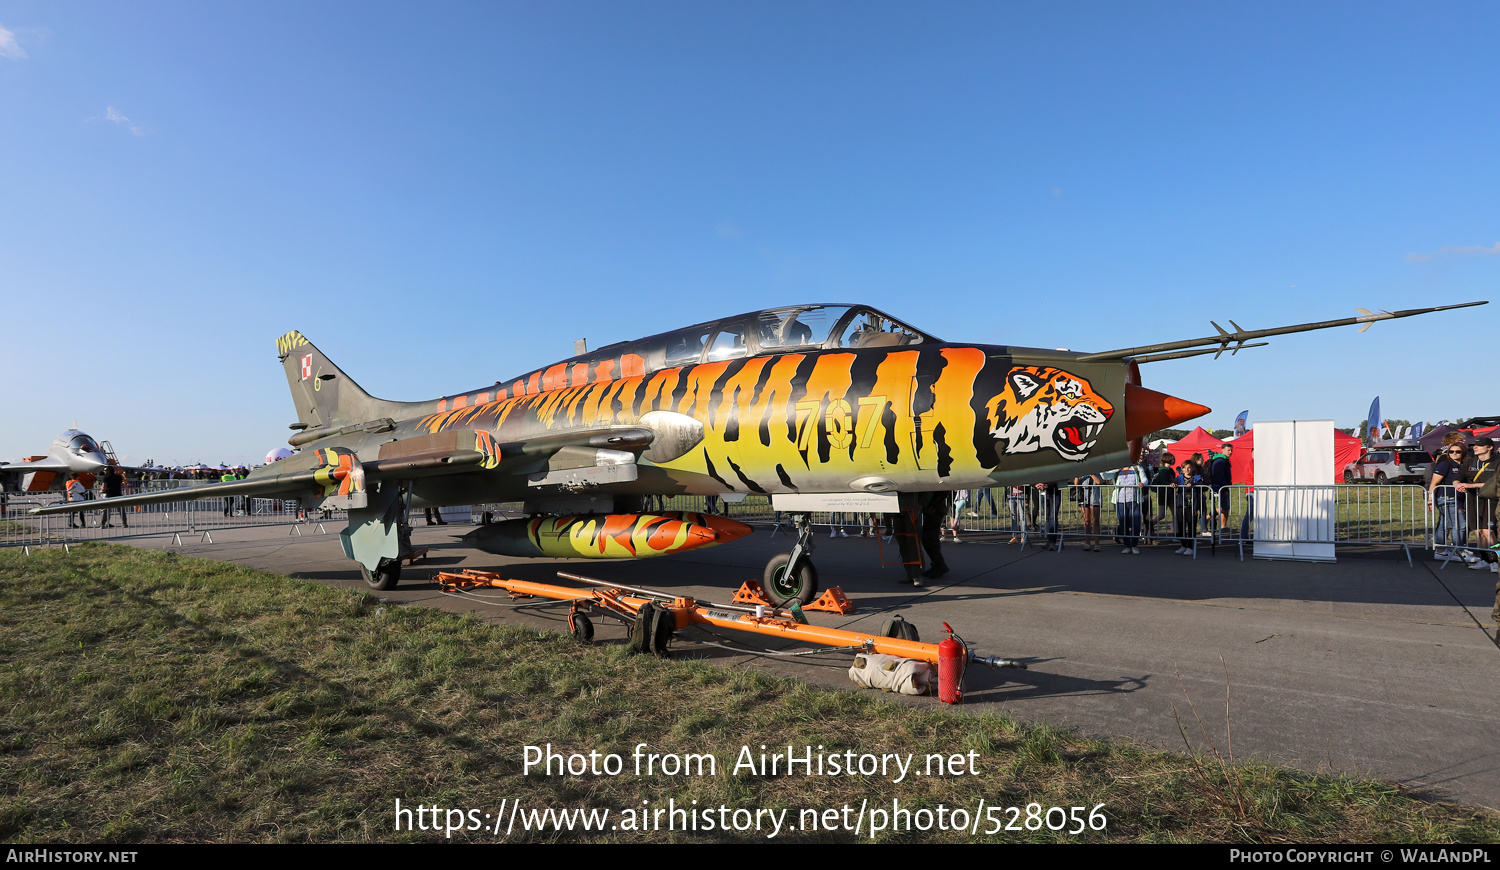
[(795, 327), (81, 444), (774, 330)]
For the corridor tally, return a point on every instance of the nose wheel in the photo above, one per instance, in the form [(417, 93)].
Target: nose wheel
[(792, 576)]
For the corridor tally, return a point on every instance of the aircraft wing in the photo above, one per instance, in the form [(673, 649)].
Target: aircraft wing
[(144, 469), (335, 473), (45, 464), (270, 486), (18, 476)]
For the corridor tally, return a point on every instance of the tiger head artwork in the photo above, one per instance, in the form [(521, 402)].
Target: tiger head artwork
[(1043, 407)]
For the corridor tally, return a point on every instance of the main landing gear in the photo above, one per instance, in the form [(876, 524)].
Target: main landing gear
[(385, 576), (379, 535), (792, 576)]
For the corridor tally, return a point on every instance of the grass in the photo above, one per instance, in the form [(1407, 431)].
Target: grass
[(150, 698)]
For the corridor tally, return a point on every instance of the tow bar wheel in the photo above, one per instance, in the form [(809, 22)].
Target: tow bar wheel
[(582, 628), (783, 586)]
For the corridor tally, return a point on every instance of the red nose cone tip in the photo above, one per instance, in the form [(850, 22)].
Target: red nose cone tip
[(1146, 411)]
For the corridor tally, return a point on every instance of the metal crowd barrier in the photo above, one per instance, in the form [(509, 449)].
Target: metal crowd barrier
[(200, 517), (1187, 518), (1090, 515), (1457, 521), (1331, 514), (17, 527)]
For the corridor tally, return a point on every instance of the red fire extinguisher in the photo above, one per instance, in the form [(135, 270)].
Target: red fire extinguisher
[(953, 653)]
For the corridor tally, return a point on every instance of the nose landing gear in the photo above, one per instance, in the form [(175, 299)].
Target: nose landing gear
[(792, 576)]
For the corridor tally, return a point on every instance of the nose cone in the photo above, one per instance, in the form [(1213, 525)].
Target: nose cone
[(725, 529), (1146, 411)]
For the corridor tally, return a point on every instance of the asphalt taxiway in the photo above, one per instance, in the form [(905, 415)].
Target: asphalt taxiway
[(1367, 666)]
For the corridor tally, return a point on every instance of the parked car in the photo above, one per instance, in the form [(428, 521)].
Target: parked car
[(1390, 462)]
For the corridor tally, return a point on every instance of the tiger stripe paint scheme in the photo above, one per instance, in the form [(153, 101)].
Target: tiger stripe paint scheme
[(606, 536), (934, 417)]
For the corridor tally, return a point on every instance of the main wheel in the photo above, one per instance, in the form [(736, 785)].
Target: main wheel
[(1348, 476), (1380, 477), (783, 587), (583, 628), (385, 576)]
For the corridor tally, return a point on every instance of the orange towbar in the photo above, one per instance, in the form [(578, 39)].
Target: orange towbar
[(628, 604)]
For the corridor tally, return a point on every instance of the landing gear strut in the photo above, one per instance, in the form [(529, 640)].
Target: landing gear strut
[(792, 576), (380, 535)]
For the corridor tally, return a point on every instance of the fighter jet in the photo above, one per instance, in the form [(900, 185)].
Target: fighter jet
[(820, 406), (72, 452)]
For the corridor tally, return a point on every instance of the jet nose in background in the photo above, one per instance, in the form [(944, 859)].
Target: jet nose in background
[(1147, 411)]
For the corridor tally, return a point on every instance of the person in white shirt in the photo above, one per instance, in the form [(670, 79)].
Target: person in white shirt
[(76, 493), (1127, 499)]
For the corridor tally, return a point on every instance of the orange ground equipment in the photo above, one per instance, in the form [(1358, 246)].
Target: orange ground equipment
[(831, 601), (654, 616)]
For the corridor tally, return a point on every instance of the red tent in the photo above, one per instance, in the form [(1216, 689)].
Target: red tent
[(1242, 461), (1196, 441), (1346, 449)]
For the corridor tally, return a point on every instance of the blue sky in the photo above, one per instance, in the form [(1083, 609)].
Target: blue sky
[(443, 195)]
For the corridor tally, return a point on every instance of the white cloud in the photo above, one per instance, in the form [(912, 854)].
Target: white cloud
[(1456, 251), (8, 45), (111, 115)]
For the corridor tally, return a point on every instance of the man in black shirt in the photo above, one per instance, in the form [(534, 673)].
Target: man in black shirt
[(1220, 477), (114, 486), (1481, 510), (1442, 497)]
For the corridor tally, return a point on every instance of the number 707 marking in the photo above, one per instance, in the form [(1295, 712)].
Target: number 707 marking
[(807, 411)]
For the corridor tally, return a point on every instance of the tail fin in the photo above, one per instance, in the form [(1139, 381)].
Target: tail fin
[(323, 394)]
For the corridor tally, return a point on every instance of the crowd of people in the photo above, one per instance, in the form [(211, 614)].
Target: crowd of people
[(1156, 500), (114, 481), (1163, 499)]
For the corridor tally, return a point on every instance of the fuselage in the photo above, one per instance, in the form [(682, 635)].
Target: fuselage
[(934, 417), (810, 399)]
